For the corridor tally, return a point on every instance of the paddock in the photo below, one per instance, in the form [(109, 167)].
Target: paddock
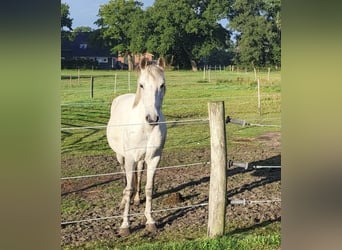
[(180, 204)]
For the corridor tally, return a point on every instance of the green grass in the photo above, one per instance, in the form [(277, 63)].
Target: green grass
[(265, 238), (226, 242), (186, 98), (73, 206)]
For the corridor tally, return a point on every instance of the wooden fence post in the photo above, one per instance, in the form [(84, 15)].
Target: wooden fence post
[(129, 81), (91, 86), (204, 73), (78, 75), (115, 83), (209, 73), (259, 99), (218, 175)]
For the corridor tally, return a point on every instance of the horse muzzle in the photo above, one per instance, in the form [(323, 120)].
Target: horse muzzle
[(152, 120)]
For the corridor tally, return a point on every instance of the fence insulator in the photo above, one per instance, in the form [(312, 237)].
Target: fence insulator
[(236, 121), (258, 167), (238, 202), (239, 164), (246, 165), (249, 202), (243, 123)]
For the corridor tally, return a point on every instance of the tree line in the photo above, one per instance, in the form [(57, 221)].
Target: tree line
[(189, 33)]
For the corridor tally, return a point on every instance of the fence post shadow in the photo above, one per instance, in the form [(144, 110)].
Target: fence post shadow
[(253, 227), (270, 175), (182, 186)]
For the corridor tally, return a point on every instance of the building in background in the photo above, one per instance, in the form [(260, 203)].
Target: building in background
[(82, 52)]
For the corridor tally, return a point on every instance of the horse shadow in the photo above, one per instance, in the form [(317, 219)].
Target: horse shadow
[(94, 185), (182, 186)]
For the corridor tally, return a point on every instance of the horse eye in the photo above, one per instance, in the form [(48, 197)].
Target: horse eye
[(162, 86), (141, 86)]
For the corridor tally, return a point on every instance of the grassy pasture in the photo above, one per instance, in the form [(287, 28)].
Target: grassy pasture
[(187, 97)]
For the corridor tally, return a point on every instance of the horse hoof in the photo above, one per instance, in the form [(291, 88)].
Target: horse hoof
[(136, 203), (124, 232), (151, 227)]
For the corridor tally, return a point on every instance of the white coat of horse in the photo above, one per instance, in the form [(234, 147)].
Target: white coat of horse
[(136, 131)]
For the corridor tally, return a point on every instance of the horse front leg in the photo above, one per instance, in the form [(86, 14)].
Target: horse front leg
[(151, 169), (140, 168), (129, 168)]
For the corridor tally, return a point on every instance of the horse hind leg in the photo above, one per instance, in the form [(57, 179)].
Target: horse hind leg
[(136, 185), (121, 161)]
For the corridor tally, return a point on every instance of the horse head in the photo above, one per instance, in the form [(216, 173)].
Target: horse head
[(151, 89)]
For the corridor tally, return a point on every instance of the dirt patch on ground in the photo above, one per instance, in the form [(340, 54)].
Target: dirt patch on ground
[(176, 187)]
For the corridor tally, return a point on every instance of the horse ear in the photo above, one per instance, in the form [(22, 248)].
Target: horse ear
[(161, 62), (143, 63)]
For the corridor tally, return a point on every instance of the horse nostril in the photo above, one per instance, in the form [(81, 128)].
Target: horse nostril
[(151, 120)]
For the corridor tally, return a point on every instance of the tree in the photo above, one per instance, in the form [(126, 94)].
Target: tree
[(258, 25), (188, 30), (77, 30), (115, 22), (82, 29), (273, 10), (184, 31), (66, 21)]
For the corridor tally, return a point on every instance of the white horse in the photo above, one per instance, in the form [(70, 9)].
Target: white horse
[(136, 131)]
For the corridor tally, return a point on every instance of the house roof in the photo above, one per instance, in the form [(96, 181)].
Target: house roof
[(82, 46)]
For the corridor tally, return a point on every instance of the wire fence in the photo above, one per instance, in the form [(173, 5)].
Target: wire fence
[(181, 122), (134, 214), (193, 121), (245, 165), (134, 171), (243, 202), (176, 99)]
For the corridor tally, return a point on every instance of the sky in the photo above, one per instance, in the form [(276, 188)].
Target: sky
[(84, 12)]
